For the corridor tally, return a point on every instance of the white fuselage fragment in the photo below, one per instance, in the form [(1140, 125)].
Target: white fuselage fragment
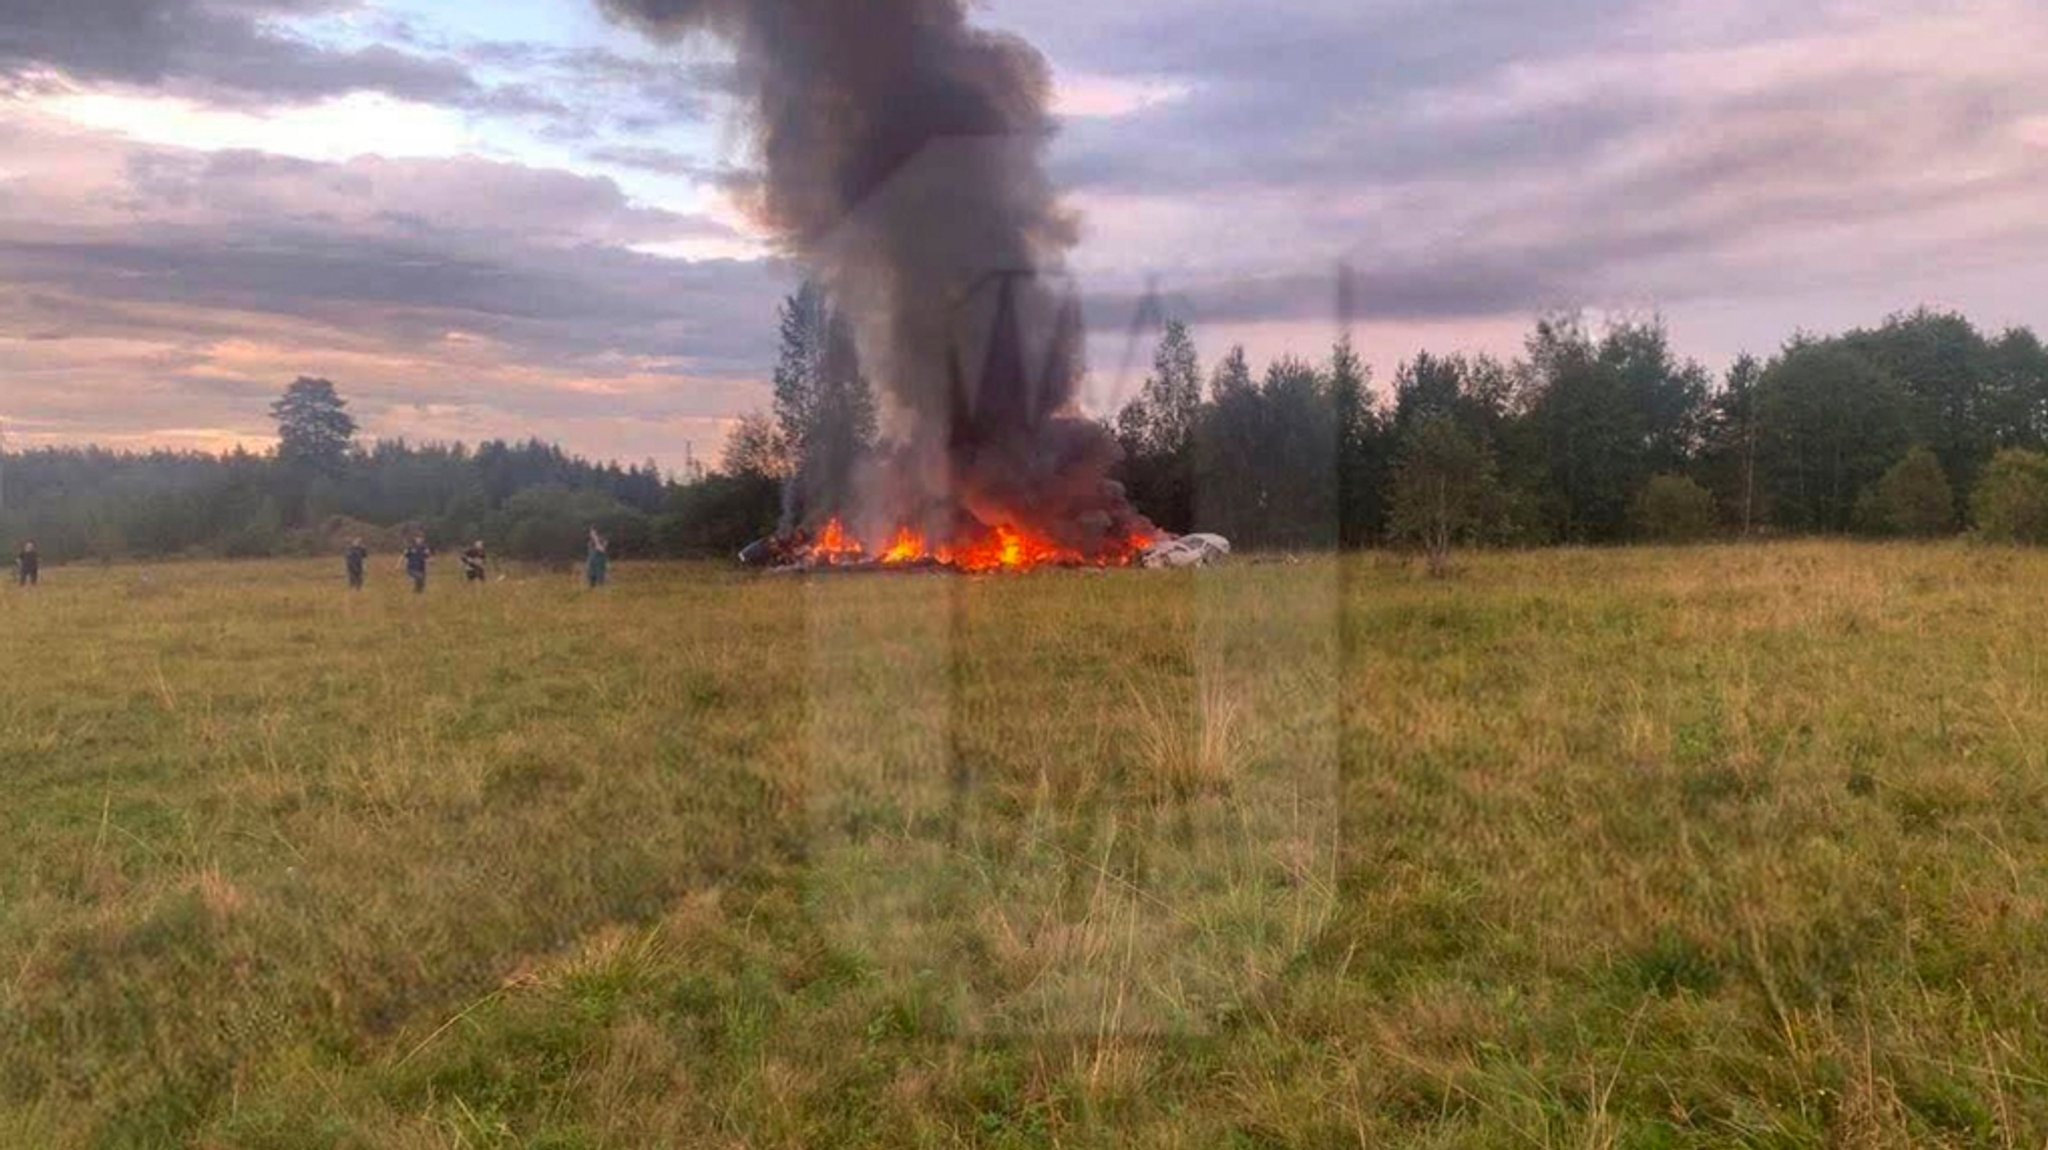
[(1186, 551)]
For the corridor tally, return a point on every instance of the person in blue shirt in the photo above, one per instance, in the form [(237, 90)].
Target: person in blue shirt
[(416, 556)]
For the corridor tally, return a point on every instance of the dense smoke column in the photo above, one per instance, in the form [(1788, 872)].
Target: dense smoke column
[(902, 152)]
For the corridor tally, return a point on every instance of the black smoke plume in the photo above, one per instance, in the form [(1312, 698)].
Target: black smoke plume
[(902, 159)]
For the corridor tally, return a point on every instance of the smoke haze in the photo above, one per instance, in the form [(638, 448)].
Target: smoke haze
[(902, 154)]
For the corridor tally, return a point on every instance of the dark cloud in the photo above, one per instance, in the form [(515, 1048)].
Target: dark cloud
[(243, 52), (1722, 221), (1477, 159), (1324, 49), (441, 285), (228, 50), (1175, 146), (1315, 93), (556, 303), (477, 200)]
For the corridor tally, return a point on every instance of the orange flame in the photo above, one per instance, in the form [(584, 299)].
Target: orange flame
[(834, 546), (907, 547), (1005, 547), (1008, 549)]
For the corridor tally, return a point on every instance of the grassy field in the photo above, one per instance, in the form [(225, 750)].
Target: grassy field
[(1685, 848)]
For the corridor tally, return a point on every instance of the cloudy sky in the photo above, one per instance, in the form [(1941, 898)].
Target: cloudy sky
[(490, 218)]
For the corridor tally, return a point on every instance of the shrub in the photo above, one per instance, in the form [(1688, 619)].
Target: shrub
[(719, 514), (1913, 498), (552, 522), (2011, 501), (1443, 483), (1674, 509)]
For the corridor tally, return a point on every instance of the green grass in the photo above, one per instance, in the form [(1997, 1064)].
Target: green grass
[(1653, 848)]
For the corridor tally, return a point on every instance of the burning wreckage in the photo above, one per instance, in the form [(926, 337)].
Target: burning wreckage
[(901, 154), (1000, 549)]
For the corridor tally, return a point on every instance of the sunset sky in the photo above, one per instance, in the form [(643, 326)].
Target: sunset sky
[(510, 219)]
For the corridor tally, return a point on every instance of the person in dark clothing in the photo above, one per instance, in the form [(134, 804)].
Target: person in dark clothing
[(474, 559), (597, 563), (356, 556), (416, 556), (28, 569)]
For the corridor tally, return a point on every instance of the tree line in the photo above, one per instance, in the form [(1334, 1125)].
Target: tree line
[(1922, 426), (322, 486), (319, 488)]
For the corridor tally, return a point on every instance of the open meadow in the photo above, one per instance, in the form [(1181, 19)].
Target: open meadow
[(1632, 848)]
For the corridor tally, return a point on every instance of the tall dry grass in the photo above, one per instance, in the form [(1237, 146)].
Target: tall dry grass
[(1686, 848)]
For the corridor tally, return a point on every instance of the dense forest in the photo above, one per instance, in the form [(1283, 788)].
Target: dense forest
[(1921, 426), (530, 499)]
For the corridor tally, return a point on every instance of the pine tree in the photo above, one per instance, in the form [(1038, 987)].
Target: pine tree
[(1296, 454), (825, 410), (1172, 396), (843, 423), (1229, 489), (314, 429), (1359, 514), (799, 365), (1233, 375), (1157, 432)]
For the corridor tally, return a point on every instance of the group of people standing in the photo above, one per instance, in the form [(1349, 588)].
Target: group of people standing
[(475, 562), (28, 563)]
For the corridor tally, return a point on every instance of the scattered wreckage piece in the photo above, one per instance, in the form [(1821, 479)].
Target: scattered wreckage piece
[(1185, 551)]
